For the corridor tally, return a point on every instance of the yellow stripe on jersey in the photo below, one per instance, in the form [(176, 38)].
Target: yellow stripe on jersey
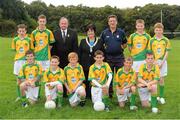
[(73, 75), (139, 45), (52, 77), (41, 40), (99, 74), (159, 47), (123, 79), (21, 46), (30, 71), (154, 74)]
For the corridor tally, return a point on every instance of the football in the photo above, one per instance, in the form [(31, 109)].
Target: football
[(99, 106), (50, 105)]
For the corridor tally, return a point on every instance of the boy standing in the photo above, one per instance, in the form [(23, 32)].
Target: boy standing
[(30, 75), (148, 78), (54, 78), (138, 44), (125, 84), (160, 46), (21, 44), (42, 39), (100, 75), (74, 81)]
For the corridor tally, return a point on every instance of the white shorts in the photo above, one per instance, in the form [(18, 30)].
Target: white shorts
[(144, 94), (52, 92), (18, 65), (124, 97), (137, 64), (45, 64), (75, 98), (32, 93), (163, 70), (96, 94)]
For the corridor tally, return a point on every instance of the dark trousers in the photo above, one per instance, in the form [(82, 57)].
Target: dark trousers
[(88, 84), (115, 65)]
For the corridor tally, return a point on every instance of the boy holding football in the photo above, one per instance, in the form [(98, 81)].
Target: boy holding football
[(54, 79), (74, 81), (21, 44), (100, 75), (30, 75), (125, 84), (160, 46)]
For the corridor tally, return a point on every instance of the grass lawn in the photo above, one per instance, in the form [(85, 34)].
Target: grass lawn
[(10, 109)]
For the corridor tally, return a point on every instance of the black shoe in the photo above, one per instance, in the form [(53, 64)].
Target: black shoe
[(82, 103)]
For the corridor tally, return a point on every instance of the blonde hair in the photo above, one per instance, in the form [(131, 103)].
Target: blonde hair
[(159, 25), (22, 26), (140, 21), (72, 55)]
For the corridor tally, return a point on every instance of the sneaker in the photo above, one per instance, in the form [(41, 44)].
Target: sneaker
[(133, 107), (162, 101), (24, 104), (82, 103), (17, 99), (155, 110), (106, 109), (158, 98)]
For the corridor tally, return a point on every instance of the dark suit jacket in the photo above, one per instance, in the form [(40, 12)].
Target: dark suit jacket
[(61, 48), (86, 58)]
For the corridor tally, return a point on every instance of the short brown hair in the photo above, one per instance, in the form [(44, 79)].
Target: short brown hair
[(150, 53), (41, 17), (55, 57), (139, 21), (159, 25), (72, 55), (112, 16), (22, 26), (98, 52), (129, 58), (30, 52)]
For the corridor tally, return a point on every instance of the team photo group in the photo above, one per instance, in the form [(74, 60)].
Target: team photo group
[(96, 68)]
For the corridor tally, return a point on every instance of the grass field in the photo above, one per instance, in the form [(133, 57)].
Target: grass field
[(9, 109)]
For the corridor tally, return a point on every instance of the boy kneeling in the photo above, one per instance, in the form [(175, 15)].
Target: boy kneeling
[(148, 77), (54, 78), (125, 84)]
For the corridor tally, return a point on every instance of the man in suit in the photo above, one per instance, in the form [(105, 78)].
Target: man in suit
[(66, 42)]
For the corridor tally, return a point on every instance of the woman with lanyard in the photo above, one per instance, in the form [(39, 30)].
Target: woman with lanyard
[(86, 53)]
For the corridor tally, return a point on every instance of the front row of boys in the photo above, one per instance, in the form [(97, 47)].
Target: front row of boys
[(100, 76)]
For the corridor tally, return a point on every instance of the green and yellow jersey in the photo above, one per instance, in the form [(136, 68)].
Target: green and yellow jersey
[(139, 45), (123, 79), (49, 76), (73, 75), (146, 75), (159, 47), (99, 74), (30, 71), (41, 41), (21, 46)]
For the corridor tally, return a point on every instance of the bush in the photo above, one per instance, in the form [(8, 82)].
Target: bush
[(7, 27)]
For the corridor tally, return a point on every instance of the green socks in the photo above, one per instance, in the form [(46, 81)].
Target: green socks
[(60, 98), (106, 100), (153, 101), (132, 99), (161, 91), (18, 91)]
